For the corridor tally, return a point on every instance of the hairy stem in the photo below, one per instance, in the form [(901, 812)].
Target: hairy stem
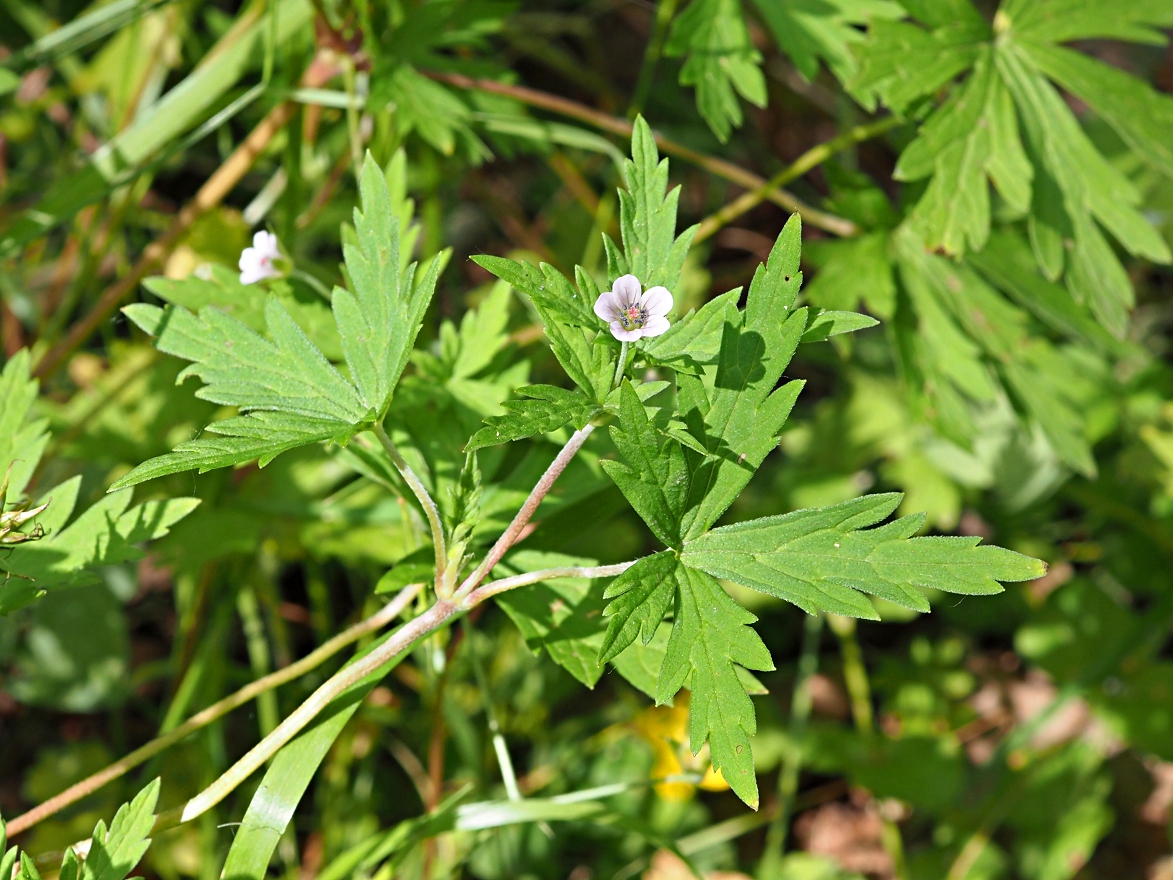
[(492, 588), (621, 366), (421, 493), (349, 676), (720, 167), (800, 166), (800, 710), (217, 710), (539, 491)]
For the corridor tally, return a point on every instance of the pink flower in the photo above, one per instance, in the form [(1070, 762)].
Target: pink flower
[(257, 262), (632, 314)]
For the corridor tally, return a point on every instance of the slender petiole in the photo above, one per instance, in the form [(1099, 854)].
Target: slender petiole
[(421, 493)]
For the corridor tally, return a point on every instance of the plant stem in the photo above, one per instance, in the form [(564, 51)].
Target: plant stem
[(508, 775), (800, 166), (665, 9), (258, 655), (492, 588), (349, 676), (855, 674), (421, 493), (800, 710), (539, 491), (621, 366), (720, 167), (217, 710)]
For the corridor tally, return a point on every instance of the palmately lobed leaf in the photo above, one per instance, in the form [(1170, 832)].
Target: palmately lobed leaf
[(380, 318), (736, 410), (114, 853), (825, 559), (653, 476), (652, 251), (241, 368), (542, 408)]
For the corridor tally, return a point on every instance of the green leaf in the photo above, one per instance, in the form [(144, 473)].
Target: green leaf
[(380, 318), (639, 598), (544, 408), (824, 324), (562, 615), (849, 269), (241, 368), (552, 292), (810, 31), (824, 559), (647, 218), (901, 62), (1080, 189), (1060, 21), (428, 108), (589, 364), (696, 338), (105, 534), (974, 135), (655, 478), (113, 855), (1141, 116), (710, 637), (720, 58), (22, 441), (28, 869), (735, 409), (258, 437)]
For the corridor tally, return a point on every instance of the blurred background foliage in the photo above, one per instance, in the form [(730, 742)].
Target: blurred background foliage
[(997, 191)]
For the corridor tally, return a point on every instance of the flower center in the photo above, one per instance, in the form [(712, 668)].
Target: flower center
[(633, 317)]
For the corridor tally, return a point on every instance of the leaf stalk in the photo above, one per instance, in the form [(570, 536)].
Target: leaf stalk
[(431, 511)]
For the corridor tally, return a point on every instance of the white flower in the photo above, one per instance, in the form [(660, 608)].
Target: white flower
[(257, 262), (632, 314)]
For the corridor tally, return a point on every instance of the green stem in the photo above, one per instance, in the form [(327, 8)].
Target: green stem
[(621, 366), (258, 656), (421, 493), (800, 166), (800, 710), (665, 10), (855, 674), (508, 775), (214, 712)]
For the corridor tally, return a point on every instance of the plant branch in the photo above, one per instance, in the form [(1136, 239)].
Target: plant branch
[(720, 167), (217, 710), (399, 641), (219, 185), (492, 588), (507, 539), (800, 166), (421, 493)]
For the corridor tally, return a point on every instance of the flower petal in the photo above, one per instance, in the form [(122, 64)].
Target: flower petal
[(607, 306), (265, 242), (657, 301), (625, 335), (628, 288), (656, 325)]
